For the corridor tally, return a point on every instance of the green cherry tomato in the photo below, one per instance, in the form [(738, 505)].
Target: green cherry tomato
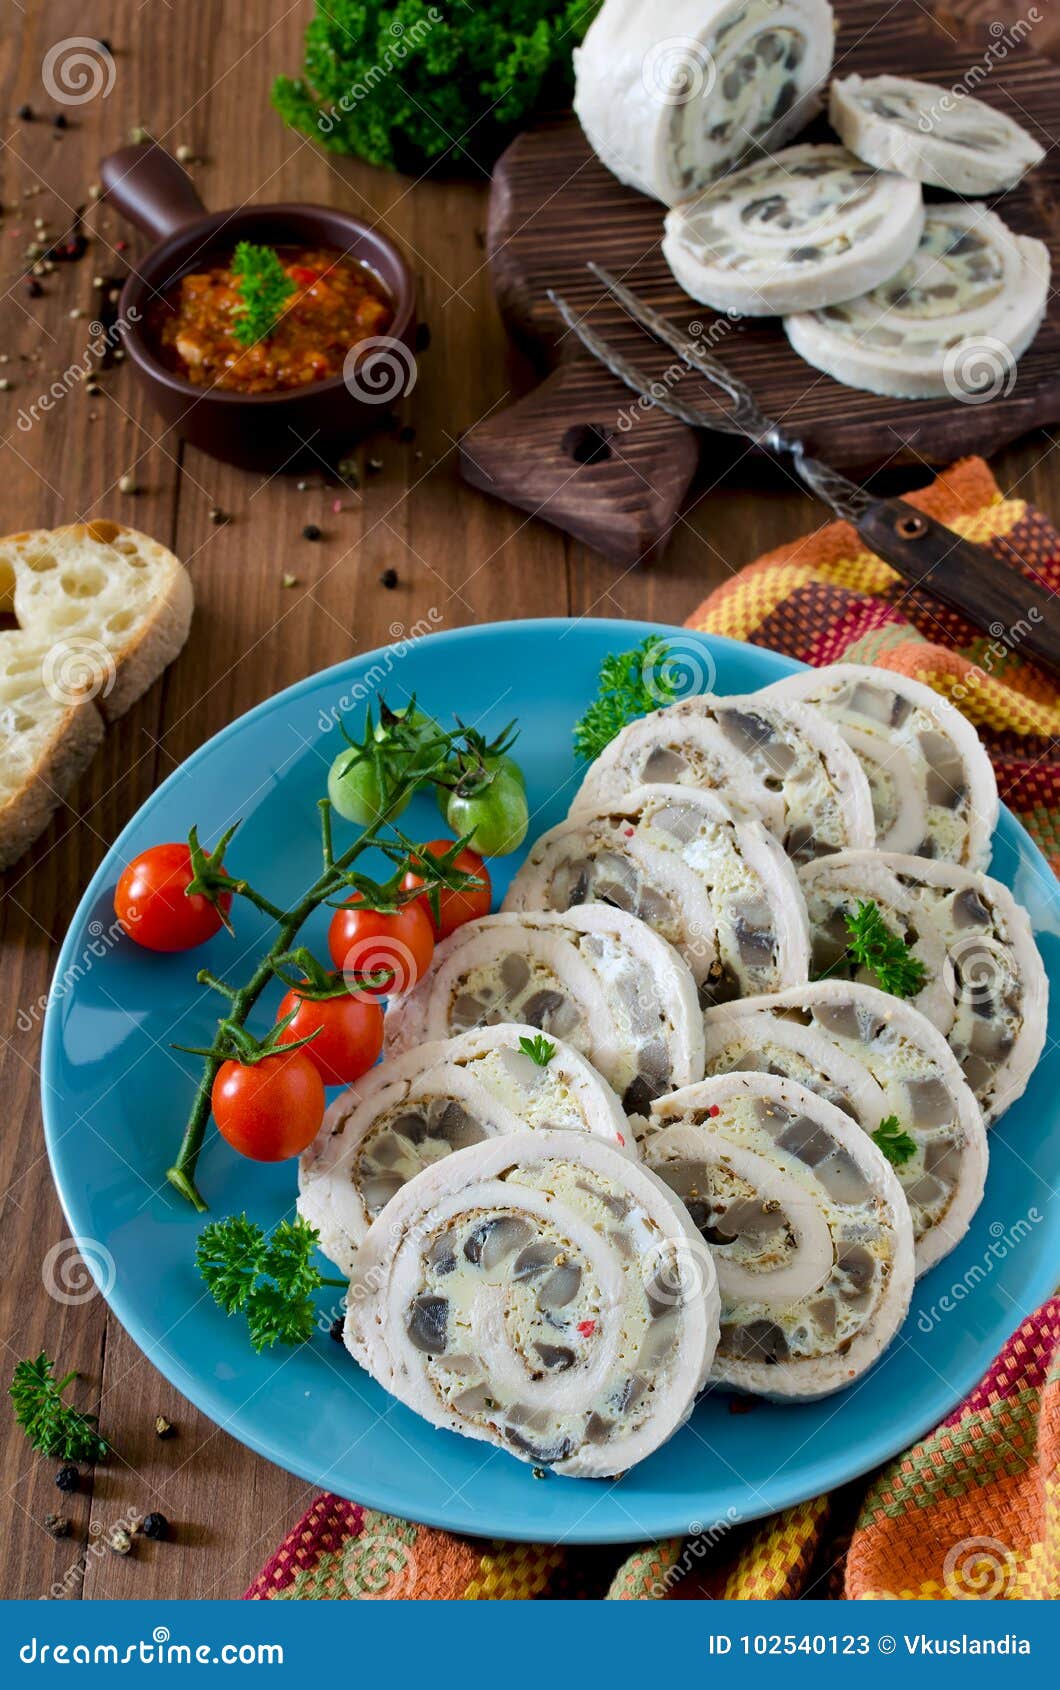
[(354, 791), (496, 817), (443, 794)]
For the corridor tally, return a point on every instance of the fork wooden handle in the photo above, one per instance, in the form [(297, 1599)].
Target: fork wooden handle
[(995, 598)]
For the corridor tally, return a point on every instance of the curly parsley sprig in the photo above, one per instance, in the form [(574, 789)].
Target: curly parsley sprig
[(264, 289), (891, 1137), (872, 945), (632, 683), (269, 1278), (51, 1425)]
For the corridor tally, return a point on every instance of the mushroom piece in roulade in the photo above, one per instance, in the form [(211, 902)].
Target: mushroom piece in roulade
[(808, 227), (408, 1113), (931, 134), (784, 762), (671, 97), (811, 1235), (933, 787), (716, 885), (882, 1062), (952, 322), (596, 977), (984, 984), (542, 1293)]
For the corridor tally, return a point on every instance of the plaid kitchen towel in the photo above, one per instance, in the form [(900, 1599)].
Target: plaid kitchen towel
[(974, 1509)]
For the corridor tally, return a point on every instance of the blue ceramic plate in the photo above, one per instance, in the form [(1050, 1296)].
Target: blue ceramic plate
[(115, 1094)]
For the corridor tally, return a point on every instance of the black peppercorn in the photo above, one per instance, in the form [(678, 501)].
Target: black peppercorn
[(26, 113), (59, 120), (68, 1479), (57, 1524), (389, 578), (310, 531), (156, 1526), (337, 1328)]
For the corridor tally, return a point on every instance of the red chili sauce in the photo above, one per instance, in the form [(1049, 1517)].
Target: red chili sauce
[(338, 303)]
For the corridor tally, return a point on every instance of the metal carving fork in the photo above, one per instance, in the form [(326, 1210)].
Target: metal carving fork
[(962, 574)]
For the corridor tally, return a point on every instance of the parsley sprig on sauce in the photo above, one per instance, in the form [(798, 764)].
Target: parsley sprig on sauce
[(264, 289)]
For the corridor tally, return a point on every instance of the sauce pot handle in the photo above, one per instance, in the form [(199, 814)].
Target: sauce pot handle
[(147, 185)]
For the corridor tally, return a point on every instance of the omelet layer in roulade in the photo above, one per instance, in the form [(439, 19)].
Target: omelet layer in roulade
[(933, 787), (716, 885), (596, 977), (543, 1293), (801, 229), (670, 97), (409, 1112), (984, 984), (811, 1235), (784, 762), (941, 136), (883, 1063)]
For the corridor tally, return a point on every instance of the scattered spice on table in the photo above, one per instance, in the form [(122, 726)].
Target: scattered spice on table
[(68, 1479), (310, 531), (57, 1524), (128, 484), (389, 579), (218, 516), (156, 1527), (164, 1428), (289, 580), (119, 1541)]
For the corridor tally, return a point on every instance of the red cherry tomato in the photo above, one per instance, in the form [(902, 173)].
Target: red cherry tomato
[(151, 904), (366, 941), (454, 908), (271, 1109), (349, 1033)]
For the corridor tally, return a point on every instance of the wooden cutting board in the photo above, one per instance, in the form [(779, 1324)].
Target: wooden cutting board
[(580, 452)]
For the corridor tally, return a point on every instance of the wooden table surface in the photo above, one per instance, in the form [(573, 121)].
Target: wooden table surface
[(198, 75)]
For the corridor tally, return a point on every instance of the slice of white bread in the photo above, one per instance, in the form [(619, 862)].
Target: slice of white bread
[(101, 610)]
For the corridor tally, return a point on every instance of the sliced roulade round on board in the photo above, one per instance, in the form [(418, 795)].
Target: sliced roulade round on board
[(934, 792), (884, 1064), (596, 977), (984, 986), (811, 1235), (671, 97), (542, 1293), (807, 227), (716, 885), (937, 135), (408, 1113), (785, 763), (952, 322)]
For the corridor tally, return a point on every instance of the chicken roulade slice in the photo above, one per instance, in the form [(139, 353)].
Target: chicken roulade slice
[(881, 1062), (984, 986), (934, 793), (409, 1113), (811, 1235), (671, 97), (924, 132), (596, 977), (782, 761), (716, 885), (543, 1293), (808, 227), (952, 322)]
